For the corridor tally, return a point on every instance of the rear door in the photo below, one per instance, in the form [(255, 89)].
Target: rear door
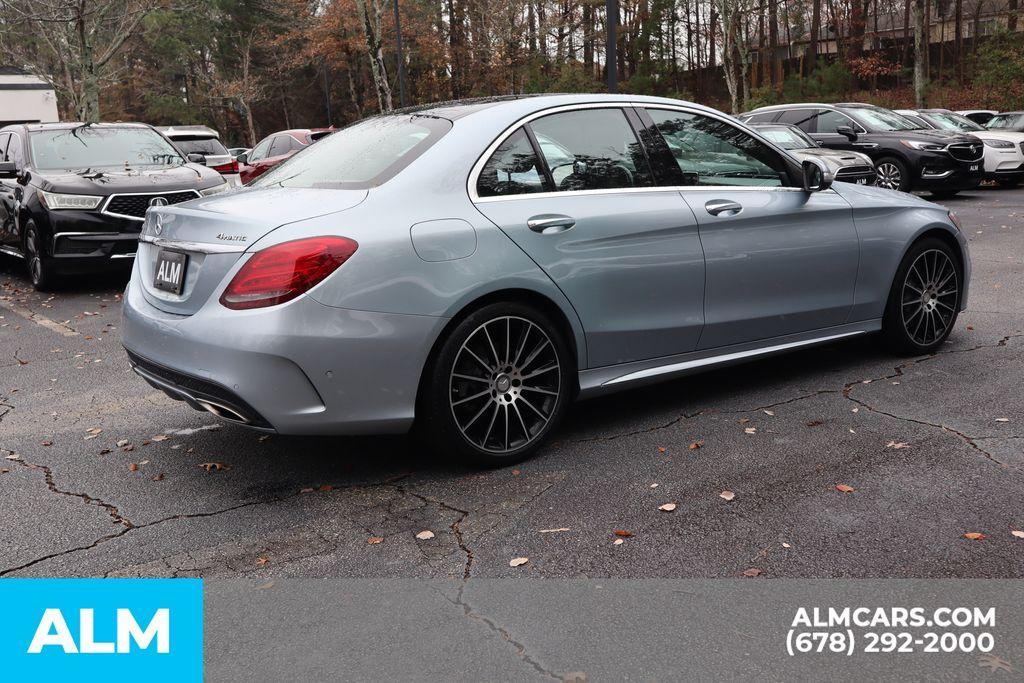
[(574, 189), (779, 260), (8, 230)]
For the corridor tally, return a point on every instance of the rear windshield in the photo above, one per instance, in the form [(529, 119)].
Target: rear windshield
[(1015, 121), (364, 155), (954, 122), (210, 146), (96, 147)]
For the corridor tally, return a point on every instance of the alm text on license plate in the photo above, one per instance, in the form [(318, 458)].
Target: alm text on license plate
[(170, 271)]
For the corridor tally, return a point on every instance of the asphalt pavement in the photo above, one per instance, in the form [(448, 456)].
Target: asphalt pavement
[(101, 475)]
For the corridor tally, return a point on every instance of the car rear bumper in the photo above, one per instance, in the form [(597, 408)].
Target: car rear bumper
[(298, 368)]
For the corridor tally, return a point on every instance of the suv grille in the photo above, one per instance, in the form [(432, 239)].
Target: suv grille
[(967, 151), (135, 205)]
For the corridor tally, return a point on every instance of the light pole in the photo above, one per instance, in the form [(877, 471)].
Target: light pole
[(403, 97), (611, 59)]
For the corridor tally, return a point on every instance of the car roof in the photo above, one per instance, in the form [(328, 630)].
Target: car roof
[(68, 125)]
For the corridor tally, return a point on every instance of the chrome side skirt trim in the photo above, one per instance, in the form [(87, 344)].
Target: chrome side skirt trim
[(11, 251), (197, 247), (131, 255), (607, 379), (715, 360)]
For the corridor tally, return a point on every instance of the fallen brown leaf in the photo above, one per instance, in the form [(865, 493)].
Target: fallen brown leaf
[(618, 541), (974, 536), (1017, 533), (897, 445), (696, 444), (214, 466), (45, 443), (750, 430), (727, 495), (554, 531), (662, 449), (667, 507), (753, 571), (623, 533), (518, 561), (326, 487), (160, 437), (843, 488), (132, 467), (814, 423), (374, 540), (425, 535), (158, 477), (260, 561)]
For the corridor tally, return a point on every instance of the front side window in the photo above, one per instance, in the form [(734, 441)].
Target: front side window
[(361, 156), (4, 137), (15, 152), (513, 169), (89, 146), (713, 152), (261, 150), (591, 149), (828, 121)]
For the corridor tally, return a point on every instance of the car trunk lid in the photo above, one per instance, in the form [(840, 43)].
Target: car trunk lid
[(214, 232)]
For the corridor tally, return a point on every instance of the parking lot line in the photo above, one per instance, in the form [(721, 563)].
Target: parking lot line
[(42, 320)]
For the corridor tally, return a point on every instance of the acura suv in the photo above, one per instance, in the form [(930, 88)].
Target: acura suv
[(73, 196), (906, 157)]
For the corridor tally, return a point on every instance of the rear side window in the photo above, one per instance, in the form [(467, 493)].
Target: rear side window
[(766, 117), (713, 152), (209, 146), (281, 145), (801, 118), (513, 169), (591, 149), (361, 156)]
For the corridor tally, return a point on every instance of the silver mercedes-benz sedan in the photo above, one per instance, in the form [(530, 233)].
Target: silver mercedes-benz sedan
[(473, 267)]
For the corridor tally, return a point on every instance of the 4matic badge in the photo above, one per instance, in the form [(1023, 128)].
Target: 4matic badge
[(232, 238)]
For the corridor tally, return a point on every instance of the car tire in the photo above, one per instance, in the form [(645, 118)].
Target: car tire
[(892, 174), (924, 300), (945, 194), (1008, 183), (40, 268), (498, 385)]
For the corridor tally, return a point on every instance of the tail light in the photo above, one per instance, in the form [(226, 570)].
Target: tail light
[(230, 167), (284, 271)]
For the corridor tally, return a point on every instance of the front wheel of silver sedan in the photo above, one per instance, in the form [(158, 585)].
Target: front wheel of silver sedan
[(499, 384), (925, 298)]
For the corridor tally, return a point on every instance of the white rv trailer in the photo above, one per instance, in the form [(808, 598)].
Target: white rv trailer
[(24, 98)]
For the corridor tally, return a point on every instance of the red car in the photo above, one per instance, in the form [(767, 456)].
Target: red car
[(275, 148)]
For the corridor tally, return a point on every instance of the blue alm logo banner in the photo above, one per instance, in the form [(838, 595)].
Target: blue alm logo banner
[(101, 629)]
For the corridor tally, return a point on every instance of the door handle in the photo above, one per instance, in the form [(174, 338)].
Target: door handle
[(550, 223), (723, 207)]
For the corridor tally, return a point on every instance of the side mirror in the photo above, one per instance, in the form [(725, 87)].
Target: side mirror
[(847, 131), (817, 177), (242, 158), (8, 170), (196, 159)]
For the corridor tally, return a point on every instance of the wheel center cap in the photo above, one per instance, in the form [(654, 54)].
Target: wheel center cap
[(503, 383)]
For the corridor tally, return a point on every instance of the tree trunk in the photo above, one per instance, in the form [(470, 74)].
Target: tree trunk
[(920, 75), (773, 43), (958, 40), (1011, 18), (812, 46)]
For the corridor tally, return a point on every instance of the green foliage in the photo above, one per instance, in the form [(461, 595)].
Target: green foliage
[(1000, 69)]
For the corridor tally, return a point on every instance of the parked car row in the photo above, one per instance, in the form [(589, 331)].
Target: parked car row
[(933, 150)]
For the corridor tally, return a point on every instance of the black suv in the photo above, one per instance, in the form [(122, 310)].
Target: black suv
[(906, 157), (73, 196)]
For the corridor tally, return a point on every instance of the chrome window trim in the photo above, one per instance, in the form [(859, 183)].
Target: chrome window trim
[(106, 203), (197, 247), (474, 174)]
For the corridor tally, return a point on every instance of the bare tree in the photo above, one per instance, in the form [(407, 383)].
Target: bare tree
[(77, 41), (920, 46), (370, 13)]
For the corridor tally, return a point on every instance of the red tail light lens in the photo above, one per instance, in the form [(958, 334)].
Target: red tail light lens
[(282, 272), (230, 167)]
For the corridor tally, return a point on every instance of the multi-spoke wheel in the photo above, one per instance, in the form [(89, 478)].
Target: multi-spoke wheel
[(499, 384), (891, 174), (925, 298), (39, 269)]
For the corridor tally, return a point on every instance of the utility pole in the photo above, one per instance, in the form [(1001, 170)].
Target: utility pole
[(403, 97), (327, 94), (611, 58)]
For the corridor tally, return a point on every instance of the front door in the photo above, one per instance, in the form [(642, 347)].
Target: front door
[(779, 260), (626, 254)]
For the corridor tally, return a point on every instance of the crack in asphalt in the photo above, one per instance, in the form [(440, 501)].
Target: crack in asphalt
[(455, 528), (89, 500), (845, 392), (170, 518)]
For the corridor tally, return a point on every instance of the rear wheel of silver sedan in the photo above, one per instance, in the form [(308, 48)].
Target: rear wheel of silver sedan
[(925, 298), (499, 385)]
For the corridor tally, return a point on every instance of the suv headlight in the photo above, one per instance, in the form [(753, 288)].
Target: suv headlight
[(216, 189), (85, 202), (918, 144), (998, 144)]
